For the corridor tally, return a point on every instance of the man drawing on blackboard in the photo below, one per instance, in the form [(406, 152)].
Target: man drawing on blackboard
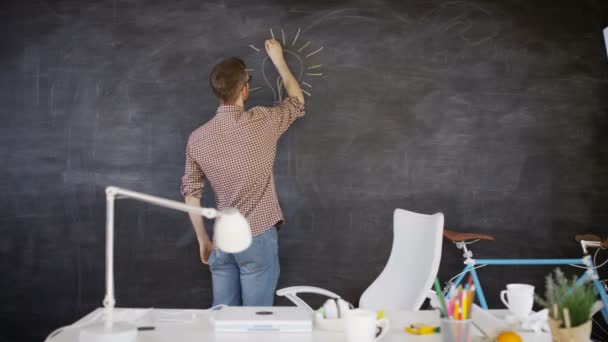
[(235, 151)]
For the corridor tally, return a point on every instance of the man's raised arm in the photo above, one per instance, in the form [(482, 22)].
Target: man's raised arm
[(275, 52)]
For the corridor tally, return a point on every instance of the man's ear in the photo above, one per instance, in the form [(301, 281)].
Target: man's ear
[(245, 93)]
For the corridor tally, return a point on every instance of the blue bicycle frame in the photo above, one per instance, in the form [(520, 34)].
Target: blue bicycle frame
[(585, 261)]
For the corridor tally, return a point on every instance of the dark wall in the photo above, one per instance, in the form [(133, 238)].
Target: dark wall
[(493, 112)]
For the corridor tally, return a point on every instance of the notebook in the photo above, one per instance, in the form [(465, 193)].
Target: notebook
[(284, 319)]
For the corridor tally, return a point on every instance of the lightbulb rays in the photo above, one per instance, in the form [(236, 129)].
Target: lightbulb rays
[(303, 47), (310, 54), (296, 38)]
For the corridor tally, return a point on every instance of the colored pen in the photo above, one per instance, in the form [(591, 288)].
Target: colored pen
[(472, 295), (441, 298), (465, 304)]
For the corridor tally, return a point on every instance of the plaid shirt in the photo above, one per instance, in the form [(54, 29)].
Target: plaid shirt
[(235, 151)]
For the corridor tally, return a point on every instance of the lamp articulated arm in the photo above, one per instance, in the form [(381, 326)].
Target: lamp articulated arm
[(113, 193), (232, 234)]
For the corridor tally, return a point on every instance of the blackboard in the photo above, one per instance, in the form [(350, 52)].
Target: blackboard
[(492, 112)]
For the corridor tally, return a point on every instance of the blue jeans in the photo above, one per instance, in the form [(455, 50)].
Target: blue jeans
[(248, 278)]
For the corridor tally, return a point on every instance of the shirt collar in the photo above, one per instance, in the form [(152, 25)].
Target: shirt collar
[(229, 109)]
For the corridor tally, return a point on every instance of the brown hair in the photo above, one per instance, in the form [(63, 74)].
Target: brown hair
[(227, 78)]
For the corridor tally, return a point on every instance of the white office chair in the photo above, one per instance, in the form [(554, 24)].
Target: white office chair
[(411, 269), (412, 266)]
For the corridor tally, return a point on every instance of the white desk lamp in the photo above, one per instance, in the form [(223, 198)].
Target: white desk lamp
[(231, 234)]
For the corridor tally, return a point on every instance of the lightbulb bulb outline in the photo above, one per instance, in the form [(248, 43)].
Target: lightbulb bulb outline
[(277, 86)]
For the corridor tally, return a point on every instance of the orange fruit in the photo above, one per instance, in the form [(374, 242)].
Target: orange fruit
[(508, 336)]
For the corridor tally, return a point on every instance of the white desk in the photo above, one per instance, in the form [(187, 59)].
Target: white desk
[(172, 325)]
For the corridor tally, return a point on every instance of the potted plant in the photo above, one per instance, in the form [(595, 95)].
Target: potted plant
[(569, 306)]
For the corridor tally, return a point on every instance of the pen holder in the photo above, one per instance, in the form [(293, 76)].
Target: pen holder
[(455, 330)]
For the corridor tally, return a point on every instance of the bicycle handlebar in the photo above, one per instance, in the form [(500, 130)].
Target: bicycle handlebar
[(603, 244)]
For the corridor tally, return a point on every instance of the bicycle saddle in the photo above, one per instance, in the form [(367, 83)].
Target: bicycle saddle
[(587, 237), (459, 236)]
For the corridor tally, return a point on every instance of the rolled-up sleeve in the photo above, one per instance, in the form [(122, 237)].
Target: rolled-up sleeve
[(194, 178), (284, 114)]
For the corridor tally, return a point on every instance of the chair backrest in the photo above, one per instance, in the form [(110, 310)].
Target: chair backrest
[(412, 266)]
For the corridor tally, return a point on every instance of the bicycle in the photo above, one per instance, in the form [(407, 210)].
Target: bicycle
[(587, 241)]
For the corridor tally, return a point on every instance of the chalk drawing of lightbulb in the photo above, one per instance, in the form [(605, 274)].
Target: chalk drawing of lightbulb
[(298, 58)]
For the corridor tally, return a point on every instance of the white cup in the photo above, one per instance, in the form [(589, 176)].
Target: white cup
[(363, 326), (521, 299)]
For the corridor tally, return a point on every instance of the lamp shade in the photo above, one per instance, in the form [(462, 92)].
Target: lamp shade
[(232, 233)]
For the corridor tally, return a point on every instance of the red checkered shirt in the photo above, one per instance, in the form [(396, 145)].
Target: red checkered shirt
[(235, 151)]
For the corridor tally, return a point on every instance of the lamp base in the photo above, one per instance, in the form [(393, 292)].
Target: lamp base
[(98, 332)]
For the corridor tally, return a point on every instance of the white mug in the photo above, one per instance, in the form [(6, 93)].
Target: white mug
[(521, 299), (362, 326)]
